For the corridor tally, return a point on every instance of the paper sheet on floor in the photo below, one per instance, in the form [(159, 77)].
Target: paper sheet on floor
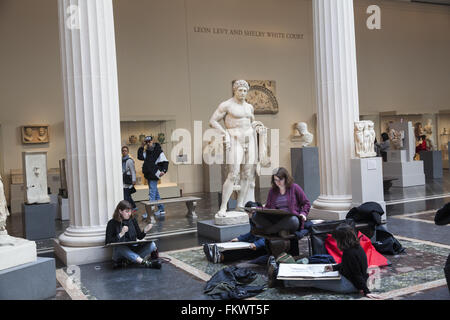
[(233, 245), (291, 271)]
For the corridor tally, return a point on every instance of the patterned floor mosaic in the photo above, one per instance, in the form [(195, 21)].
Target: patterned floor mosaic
[(421, 263)]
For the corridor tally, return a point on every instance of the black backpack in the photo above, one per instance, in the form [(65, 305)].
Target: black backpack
[(386, 243)]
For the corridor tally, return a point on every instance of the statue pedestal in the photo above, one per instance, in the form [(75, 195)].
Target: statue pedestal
[(408, 173), (30, 281), (231, 218), (15, 251), (223, 233), (305, 170), (367, 182), (432, 164), (39, 221), (63, 209)]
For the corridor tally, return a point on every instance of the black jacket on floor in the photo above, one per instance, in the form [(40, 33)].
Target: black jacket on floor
[(232, 283)]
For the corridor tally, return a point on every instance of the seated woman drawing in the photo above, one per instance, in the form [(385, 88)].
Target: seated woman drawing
[(123, 227), (287, 196)]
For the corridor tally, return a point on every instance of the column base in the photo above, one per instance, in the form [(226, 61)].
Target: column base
[(79, 256), (323, 214), (83, 237)]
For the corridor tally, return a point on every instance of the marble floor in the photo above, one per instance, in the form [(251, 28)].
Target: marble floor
[(417, 274)]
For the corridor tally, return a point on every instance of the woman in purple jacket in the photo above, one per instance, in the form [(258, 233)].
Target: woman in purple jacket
[(284, 195)]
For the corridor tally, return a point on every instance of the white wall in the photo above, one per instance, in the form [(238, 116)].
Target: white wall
[(168, 71)]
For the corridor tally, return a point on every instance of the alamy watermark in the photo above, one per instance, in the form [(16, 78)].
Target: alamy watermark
[(374, 20)]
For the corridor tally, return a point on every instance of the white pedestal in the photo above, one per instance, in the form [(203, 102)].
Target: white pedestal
[(63, 212), (16, 251), (408, 173), (367, 182)]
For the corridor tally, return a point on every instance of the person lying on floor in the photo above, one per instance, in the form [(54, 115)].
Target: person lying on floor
[(353, 268), (123, 227), (256, 250), (284, 195)]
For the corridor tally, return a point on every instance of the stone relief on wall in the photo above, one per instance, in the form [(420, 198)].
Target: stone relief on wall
[(365, 139), (35, 169), (302, 135), (262, 95), (35, 134)]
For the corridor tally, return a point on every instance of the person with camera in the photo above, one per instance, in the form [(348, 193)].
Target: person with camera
[(129, 177), (123, 227), (154, 168)]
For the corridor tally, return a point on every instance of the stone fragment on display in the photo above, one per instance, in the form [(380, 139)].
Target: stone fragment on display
[(35, 170), (364, 139)]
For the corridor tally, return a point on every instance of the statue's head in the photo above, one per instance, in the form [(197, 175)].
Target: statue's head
[(28, 131), (302, 127), (42, 131), (240, 89)]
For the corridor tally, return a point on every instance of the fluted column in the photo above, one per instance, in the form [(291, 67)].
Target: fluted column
[(92, 120), (337, 101)]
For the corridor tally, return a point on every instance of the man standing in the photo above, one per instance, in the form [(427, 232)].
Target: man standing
[(129, 176), (154, 167)]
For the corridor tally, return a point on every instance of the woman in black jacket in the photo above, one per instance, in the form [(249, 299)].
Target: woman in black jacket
[(353, 267), (123, 227)]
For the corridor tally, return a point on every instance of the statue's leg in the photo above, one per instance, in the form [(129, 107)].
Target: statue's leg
[(234, 159), (247, 178)]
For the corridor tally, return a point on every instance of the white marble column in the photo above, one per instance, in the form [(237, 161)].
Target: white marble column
[(92, 120), (337, 101)]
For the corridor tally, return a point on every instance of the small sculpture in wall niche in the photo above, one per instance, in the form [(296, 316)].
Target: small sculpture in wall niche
[(364, 139), (302, 135)]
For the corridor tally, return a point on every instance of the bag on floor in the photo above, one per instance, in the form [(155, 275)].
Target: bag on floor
[(285, 258), (374, 258), (387, 244)]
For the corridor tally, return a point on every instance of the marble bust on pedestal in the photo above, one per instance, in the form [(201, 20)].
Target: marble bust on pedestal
[(302, 135)]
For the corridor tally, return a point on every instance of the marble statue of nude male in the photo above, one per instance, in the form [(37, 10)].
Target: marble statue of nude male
[(240, 144)]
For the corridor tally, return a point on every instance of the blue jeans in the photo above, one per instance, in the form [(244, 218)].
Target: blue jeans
[(132, 253), (153, 193), (340, 286)]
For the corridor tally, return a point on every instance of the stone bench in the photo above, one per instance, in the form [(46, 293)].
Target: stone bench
[(191, 204)]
